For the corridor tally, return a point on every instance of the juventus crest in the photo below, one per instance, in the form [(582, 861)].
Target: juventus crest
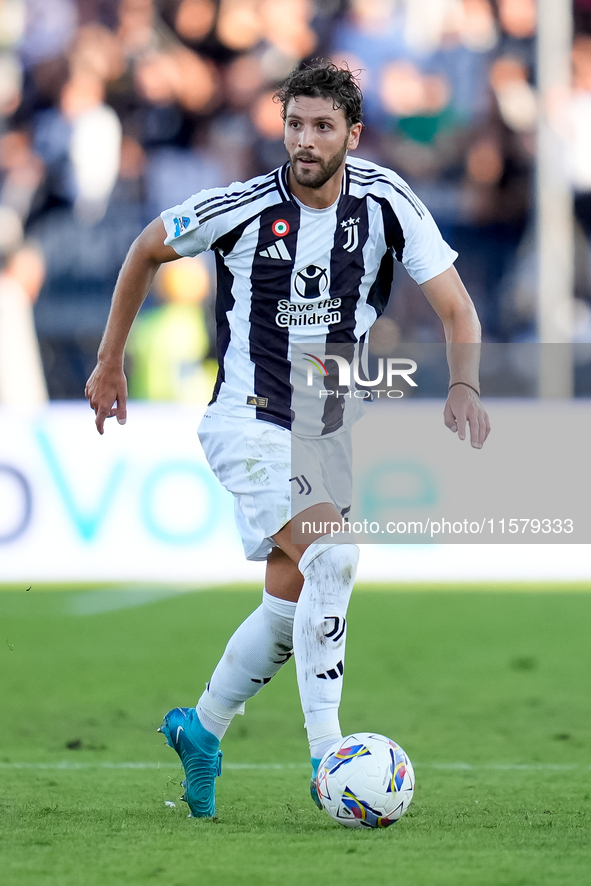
[(350, 225)]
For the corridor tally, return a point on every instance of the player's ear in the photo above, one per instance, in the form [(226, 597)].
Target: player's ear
[(354, 133)]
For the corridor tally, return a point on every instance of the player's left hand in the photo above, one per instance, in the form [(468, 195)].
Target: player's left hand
[(463, 407)]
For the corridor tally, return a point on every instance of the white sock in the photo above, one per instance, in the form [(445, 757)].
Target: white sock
[(322, 747), (319, 636), (255, 652)]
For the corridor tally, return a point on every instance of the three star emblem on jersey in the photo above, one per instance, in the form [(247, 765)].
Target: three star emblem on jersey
[(277, 250), (350, 225)]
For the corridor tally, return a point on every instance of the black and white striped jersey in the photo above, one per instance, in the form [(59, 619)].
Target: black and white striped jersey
[(291, 275)]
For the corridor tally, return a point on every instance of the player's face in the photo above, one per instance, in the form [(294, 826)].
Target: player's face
[(317, 138)]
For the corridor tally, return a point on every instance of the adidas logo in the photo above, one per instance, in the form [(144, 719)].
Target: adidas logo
[(333, 673), (277, 250)]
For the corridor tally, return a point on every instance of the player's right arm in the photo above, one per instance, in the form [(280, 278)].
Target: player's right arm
[(107, 385)]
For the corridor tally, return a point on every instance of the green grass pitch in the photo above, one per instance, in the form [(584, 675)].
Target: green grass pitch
[(487, 691)]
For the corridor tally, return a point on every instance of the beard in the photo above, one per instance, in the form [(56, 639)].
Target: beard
[(321, 172)]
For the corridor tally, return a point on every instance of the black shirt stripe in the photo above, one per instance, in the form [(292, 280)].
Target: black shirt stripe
[(393, 233), (269, 343), (224, 301), (381, 288), (346, 272)]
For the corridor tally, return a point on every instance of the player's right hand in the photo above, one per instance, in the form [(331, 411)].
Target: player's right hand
[(107, 386)]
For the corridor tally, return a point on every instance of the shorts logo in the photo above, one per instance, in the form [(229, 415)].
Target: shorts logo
[(303, 490), (350, 225), (311, 282), (180, 225), (280, 227), (260, 402)]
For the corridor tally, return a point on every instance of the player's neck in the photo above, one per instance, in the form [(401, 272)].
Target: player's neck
[(318, 198)]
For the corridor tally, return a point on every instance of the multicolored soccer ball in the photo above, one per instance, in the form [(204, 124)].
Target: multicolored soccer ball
[(365, 781)]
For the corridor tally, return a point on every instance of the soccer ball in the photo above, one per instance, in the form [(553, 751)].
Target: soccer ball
[(365, 781)]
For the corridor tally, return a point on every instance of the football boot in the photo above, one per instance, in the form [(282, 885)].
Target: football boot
[(200, 755), (313, 786)]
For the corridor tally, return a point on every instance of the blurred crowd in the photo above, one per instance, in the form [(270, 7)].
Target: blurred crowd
[(113, 110)]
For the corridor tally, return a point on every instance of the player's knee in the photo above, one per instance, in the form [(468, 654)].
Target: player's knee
[(341, 559)]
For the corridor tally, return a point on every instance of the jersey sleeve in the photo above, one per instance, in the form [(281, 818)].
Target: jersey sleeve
[(425, 253), (190, 229)]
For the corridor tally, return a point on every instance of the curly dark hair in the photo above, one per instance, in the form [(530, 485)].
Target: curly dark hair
[(323, 79)]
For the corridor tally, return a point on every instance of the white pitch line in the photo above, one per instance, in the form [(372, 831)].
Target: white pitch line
[(74, 765), (446, 767)]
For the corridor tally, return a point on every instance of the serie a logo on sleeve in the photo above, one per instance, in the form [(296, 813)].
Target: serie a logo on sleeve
[(181, 224)]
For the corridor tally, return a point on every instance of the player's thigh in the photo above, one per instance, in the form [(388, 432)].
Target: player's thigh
[(283, 578), (319, 521)]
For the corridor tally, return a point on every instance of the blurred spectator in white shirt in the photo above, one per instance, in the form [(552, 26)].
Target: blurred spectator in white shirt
[(22, 382)]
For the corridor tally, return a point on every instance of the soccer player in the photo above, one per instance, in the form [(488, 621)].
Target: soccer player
[(322, 229)]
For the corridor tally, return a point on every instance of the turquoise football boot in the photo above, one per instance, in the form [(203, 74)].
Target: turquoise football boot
[(313, 786), (200, 755)]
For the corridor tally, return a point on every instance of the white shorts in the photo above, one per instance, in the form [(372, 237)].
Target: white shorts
[(253, 460)]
